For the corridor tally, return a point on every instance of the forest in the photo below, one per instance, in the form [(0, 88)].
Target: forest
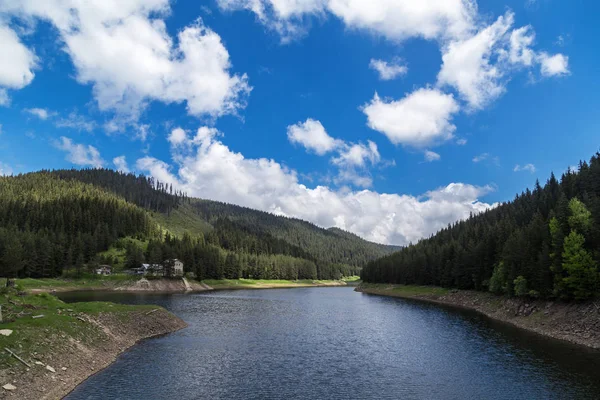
[(545, 243), (63, 222)]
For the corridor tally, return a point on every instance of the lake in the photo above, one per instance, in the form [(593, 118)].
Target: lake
[(334, 343)]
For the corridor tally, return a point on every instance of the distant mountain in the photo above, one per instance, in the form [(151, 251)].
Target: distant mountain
[(63, 219), (544, 243)]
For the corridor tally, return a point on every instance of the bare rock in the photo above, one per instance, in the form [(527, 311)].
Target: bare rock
[(49, 368), (9, 386), (6, 332)]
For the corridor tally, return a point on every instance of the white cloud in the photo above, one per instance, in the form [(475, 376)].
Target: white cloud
[(4, 98), (431, 156), (121, 164), (124, 51), (421, 118), (556, 65), (286, 17), (207, 168), (526, 167), (388, 70), (77, 122), (357, 155), (18, 63), (312, 135), (468, 67), (394, 19), (80, 154), (41, 113), (351, 159), (520, 51), (481, 157), (177, 137), (461, 142)]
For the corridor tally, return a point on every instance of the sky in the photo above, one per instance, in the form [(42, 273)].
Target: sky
[(387, 118)]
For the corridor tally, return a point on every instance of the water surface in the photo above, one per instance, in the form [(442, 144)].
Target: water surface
[(334, 343)]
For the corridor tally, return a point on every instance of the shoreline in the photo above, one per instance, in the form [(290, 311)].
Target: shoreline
[(576, 323), (74, 342), (168, 286)]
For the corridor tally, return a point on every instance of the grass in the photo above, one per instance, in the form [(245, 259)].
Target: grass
[(262, 282), (354, 278), (405, 290), (181, 220), (36, 337), (87, 281)]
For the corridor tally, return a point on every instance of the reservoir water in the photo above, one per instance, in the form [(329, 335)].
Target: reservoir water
[(334, 343)]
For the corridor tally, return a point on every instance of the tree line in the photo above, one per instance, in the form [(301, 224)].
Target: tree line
[(56, 222), (545, 243)]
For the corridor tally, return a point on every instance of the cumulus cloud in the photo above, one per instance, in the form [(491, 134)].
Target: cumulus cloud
[(124, 51), (396, 20), (286, 17), (526, 167), (479, 67), (18, 63), (121, 164), (556, 65), (177, 137), (352, 159), (461, 142), (388, 70), (467, 65), (80, 154), (421, 118), (207, 168), (41, 113), (432, 156), (357, 155), (312, 135)]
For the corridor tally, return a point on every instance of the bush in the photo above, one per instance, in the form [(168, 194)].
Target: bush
[(520, 286), (498, 279)]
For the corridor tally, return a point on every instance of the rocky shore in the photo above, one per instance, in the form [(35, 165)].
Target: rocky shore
[(57, 358), (577, 323)]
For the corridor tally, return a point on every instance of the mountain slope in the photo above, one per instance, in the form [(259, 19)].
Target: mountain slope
[(215, 239), (545, 243)]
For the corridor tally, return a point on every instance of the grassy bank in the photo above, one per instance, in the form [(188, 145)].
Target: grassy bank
[(267, 283), (577, 323), (87, 282), (62, 344), (129, 283)]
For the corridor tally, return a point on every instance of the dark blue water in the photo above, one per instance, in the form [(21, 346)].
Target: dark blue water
[(334, 343)]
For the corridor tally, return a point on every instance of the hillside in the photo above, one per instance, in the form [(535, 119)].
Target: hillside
[(66, 220), (545, 243)]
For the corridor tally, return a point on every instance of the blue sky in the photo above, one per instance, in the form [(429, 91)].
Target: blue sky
[(272, 104)]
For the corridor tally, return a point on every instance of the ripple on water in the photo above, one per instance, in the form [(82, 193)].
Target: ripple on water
[(334, 343)]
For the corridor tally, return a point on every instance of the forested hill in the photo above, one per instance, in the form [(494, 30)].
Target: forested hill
[(544, 243), (56, 221)]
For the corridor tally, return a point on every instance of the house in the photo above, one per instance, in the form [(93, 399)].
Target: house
[(176, 265), (177, 268), (151, 269), (104, 270)]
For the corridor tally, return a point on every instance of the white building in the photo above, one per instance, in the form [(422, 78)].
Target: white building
[(177, 267)]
